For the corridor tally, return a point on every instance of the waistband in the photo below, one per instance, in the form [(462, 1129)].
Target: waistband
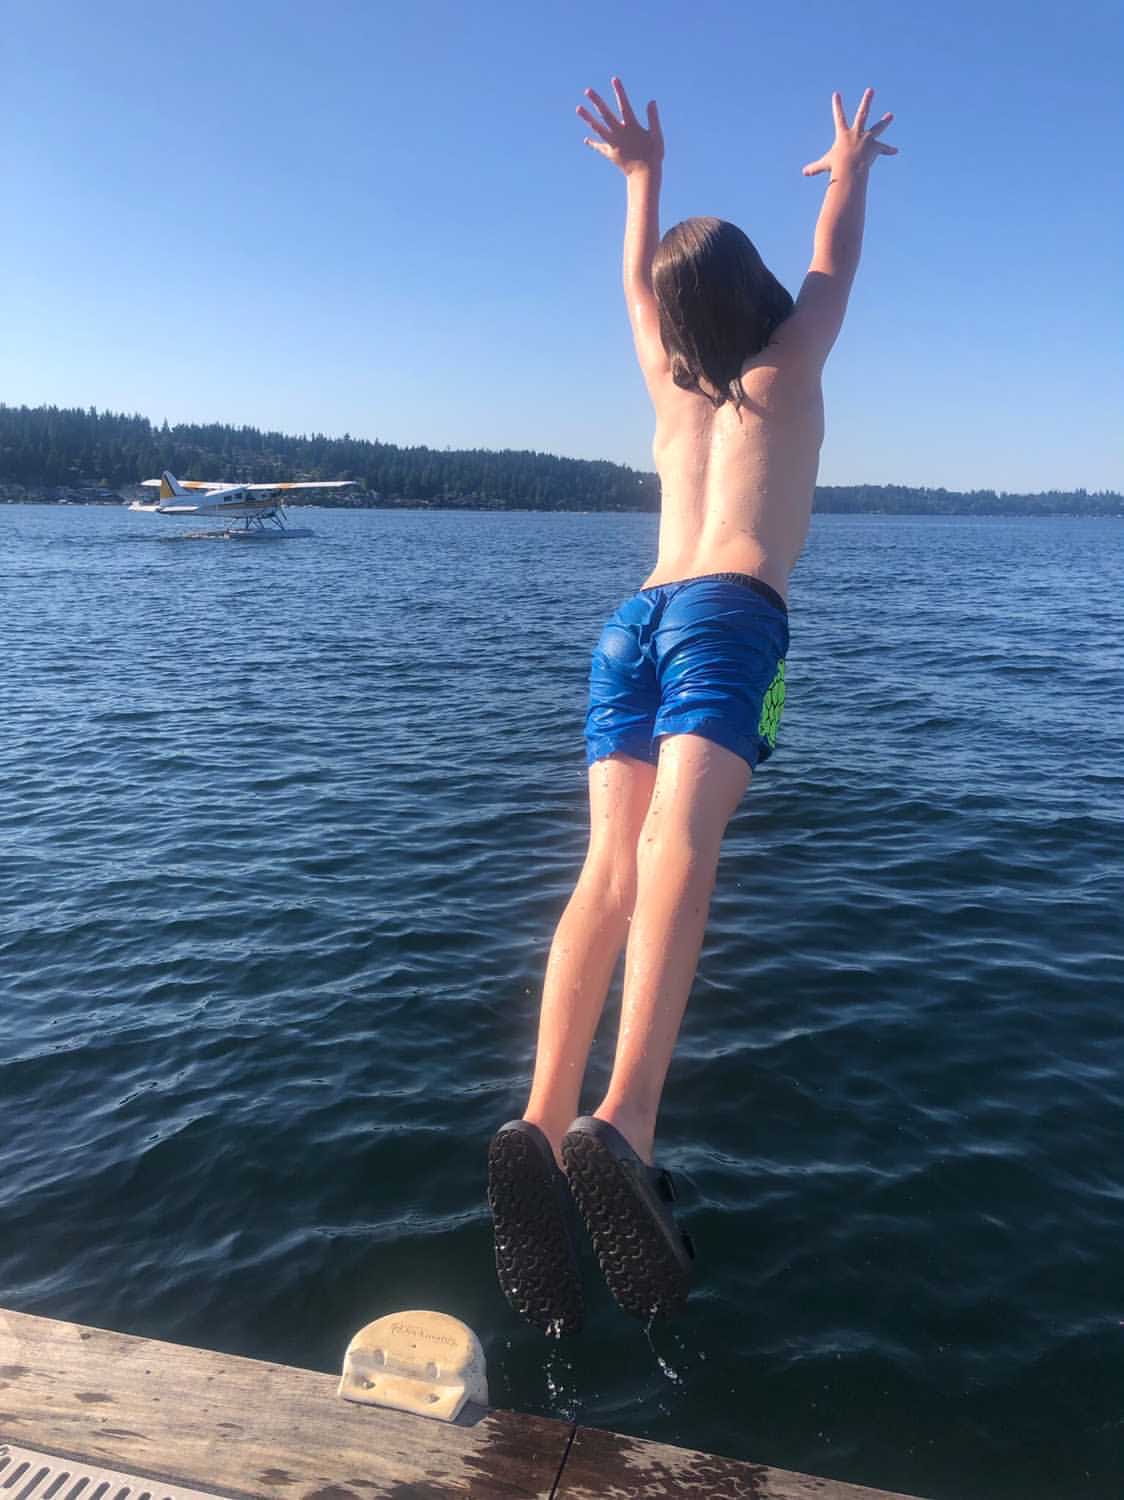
[(746, 580)]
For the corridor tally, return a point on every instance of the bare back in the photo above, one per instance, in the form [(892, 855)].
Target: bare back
[(737, 485)]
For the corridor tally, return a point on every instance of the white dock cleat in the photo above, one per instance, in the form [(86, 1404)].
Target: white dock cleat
[(427, 1363)]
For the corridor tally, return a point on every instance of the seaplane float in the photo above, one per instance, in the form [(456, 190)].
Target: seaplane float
[(259, 507)]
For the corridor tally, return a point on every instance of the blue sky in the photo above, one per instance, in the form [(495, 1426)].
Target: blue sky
[(379, 218)]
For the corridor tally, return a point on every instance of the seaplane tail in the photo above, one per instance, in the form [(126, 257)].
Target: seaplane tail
[(170, 486), (170, 489)]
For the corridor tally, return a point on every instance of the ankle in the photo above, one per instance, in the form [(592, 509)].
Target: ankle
[(637, 1126), (551, 1126)]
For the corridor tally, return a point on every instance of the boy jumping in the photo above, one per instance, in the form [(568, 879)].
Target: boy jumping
[(686, 692)]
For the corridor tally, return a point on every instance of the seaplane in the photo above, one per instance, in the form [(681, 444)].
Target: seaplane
[(259, 507)]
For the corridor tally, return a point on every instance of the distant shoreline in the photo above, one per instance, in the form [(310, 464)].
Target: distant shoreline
[(1007, 508), (50, 454)]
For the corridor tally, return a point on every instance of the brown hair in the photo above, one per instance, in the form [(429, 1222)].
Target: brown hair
[(719, 305)]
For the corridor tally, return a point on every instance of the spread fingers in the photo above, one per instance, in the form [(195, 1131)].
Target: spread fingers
[(592, 123), (606, 113)]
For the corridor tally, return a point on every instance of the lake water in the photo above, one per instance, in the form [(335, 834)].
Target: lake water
[(284, 831)]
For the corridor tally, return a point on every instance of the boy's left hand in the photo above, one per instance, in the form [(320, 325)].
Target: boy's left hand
[(625, 141), (855, 148)]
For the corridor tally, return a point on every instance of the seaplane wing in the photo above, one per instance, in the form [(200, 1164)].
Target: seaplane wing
[(304, 484), (224, 484), (189, 484)]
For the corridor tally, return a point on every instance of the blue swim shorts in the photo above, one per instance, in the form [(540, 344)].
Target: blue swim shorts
[(702, 656)]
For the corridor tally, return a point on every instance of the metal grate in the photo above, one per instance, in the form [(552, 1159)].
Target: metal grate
[(28, 1475)]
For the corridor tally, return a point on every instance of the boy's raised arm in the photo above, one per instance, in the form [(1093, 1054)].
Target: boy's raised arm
[(822, 303), (639, 155)]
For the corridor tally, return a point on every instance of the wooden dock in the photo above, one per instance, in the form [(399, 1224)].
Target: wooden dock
[(168, 1420)]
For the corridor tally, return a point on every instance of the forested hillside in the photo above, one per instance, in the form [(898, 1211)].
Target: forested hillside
[(47, 447), (51, 446)]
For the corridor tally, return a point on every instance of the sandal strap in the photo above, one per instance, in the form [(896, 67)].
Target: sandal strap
[(665, 1185)]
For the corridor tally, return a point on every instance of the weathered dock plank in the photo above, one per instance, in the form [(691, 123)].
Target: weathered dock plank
[(244, 1427), (609, 1466)]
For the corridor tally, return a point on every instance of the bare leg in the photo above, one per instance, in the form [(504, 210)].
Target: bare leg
[(588, 941), (698, 786)]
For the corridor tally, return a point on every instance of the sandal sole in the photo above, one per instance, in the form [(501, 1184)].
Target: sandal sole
[(642, 1272), (535, 1259)]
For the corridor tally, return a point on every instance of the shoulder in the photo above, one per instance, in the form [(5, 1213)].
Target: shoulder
[(647, 340), (808, 333), (788, 371), (655, 366)]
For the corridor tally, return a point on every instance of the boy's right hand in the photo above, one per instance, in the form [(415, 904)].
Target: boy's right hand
[(854, 147), (624, 142)]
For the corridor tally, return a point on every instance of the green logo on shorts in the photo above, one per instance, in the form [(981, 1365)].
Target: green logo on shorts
[(772, 708)]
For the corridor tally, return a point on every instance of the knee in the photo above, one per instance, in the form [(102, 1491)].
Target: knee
[(682, 845), (611, 878)]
